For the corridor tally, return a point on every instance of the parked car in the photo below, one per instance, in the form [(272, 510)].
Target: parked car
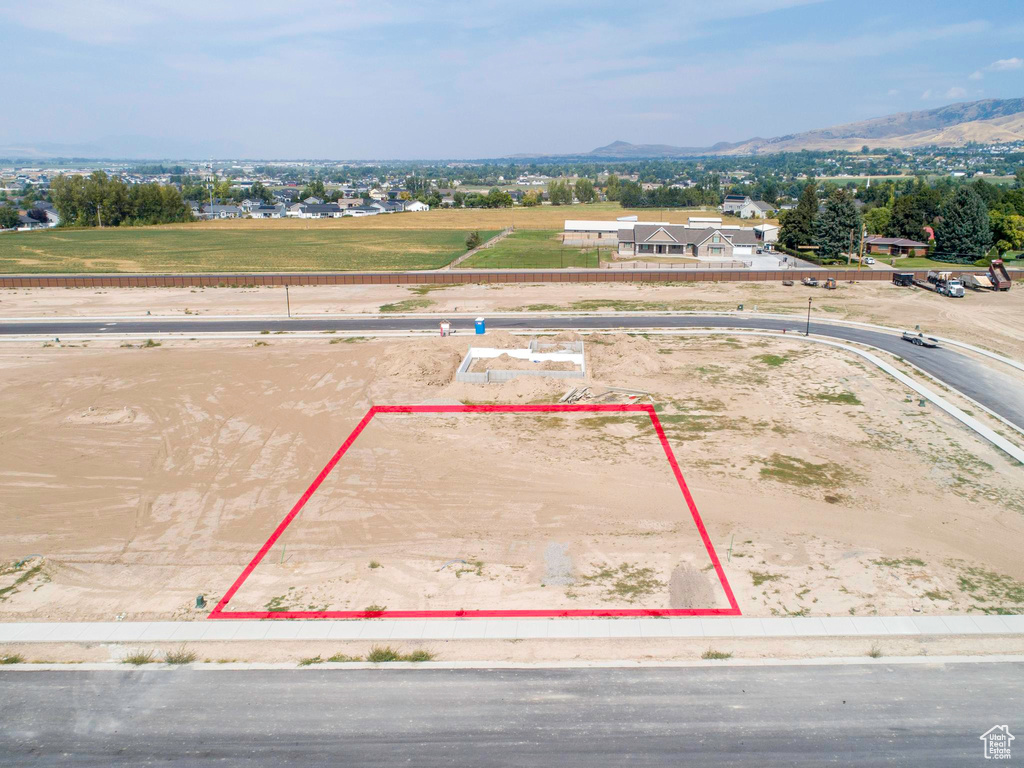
[(869, 260)]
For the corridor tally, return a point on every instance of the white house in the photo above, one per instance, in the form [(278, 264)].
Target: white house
[(416, 205), (755, 209)]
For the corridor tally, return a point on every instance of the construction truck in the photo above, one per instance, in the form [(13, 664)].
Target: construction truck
[(947, 284), (904, 279), (830, 283), (999, 276)]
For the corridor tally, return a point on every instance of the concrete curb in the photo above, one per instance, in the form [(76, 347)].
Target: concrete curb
[(504, 629), (818, 661)]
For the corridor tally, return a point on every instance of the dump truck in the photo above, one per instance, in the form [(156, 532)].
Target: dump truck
[(977, 282), (999, 276), (947, 283), (904, 279)]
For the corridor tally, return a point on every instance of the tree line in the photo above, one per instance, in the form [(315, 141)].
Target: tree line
[(98, 200), (960, 222)]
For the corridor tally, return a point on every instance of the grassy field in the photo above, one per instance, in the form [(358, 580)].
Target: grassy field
[(204, 248), (550, 217), (533, 249), (923, 263)]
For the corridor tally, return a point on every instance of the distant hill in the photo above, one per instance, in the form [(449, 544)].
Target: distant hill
[(987, 121)]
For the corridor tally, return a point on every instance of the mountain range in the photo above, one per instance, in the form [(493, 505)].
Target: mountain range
[(988, 121)]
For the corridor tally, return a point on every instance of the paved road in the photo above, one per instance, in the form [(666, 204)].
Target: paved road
[(994, 389), (729, 716)]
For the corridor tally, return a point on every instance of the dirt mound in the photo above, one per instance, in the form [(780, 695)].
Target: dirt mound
[(509, 363), (410, 361), (618, 356), (567, 336), (501, 340)]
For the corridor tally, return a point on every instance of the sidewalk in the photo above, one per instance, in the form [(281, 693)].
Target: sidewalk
[(505, 629)]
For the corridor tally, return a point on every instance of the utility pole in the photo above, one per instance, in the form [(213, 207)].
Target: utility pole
[(99, 214), (288, 301), (808, 331)]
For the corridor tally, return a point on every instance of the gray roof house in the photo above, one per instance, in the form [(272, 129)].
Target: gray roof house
[(677, 240), (758, 209)]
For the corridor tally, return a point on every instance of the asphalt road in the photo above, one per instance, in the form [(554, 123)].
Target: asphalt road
[(992, 388), (860, 715)]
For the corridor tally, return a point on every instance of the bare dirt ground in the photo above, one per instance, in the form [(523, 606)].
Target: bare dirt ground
[(990, 320), (139, 478)]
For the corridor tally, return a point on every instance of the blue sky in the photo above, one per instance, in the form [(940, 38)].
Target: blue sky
[(361, 80)]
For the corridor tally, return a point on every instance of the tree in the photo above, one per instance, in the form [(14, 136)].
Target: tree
[(37, 214), (315, 188), (531, 199), (495, 198), (876, 220), (964, 229), (9, 218), (560, 193), (612, 188), (472, 240), (1018, 178), (838, 226), (459, 198), (906, 219), (632, 195), (799, 226), (584, 191), (1007, 230), (259, 192)]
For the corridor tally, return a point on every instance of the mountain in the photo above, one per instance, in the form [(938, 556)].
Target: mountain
[(987, 121)]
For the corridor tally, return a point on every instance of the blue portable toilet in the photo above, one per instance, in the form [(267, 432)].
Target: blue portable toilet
[(481, 326)]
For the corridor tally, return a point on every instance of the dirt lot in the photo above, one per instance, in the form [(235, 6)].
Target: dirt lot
[(990, 320), (143, 477)]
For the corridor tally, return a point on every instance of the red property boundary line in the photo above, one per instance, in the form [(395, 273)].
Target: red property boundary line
[(219, 611)]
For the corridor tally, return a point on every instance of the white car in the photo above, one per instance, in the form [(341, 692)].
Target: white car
[(869, 260)]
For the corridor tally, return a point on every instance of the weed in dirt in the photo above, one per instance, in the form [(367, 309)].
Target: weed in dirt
[(773, 361), (794, 471), (383, 653), (407, 305), (475, 567), (838, 398), (344, 657), (12, 658), (24, 578), (374, 564), (139, 657), (149, 344), (906, 562), (627, 581), (277, 604), (423, 290), (763, 577), (260, 344), (935, 594), (374, 609), (348, 339), (992, 587), (711, 653), (182, 655), (310, 661), (875, 652)]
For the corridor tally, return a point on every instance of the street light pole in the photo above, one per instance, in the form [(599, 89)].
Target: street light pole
[(808, 331), (288, 301)]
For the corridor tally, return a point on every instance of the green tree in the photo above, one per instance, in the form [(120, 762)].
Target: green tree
[(838, 226), (964, 230), (876, 220), (906, 219), (1007, 230), (531, 199), (799, 226), (612, 188), (496, 198), (472, 240), (560, 193), (9, 218), (459, 198), (584, 191)]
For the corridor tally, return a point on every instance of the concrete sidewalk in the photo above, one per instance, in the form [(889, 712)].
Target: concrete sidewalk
[(505, 629)]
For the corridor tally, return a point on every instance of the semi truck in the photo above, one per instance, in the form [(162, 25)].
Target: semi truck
[(947, 284)]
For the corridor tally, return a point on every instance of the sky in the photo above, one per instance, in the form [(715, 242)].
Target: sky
[(365, 80)]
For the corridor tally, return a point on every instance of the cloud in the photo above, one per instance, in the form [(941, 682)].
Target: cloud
[(1001, 65), (956, 92), (1004, 65)]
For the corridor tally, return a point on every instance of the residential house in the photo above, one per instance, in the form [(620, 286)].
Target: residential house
[(361, 210), (713, 243), (313, 201), (268, 211), (733, 203), (894, 246), (218, 211), (755, 209), (416, 205), (320, 211)]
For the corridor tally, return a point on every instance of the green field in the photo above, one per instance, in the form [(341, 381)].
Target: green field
[(924, 263), (534, 249), (158, 249)]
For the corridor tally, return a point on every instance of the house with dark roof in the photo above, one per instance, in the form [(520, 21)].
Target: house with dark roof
[(894, 246), (711, 243), (733, 203)]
